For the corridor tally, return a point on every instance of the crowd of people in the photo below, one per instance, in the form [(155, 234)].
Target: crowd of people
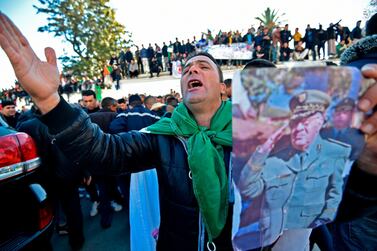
[(273, 44), (276, 44), (104, 144)]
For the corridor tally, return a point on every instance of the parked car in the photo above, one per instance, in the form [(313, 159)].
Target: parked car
[(26, 213)]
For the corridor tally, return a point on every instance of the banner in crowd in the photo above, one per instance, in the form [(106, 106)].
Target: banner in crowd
[(240, 51)]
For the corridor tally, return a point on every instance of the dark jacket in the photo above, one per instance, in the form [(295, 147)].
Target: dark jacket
[(331, 34), (143, 53), (285, 36), (361, 53), (134, 151), (103, 118), (321, 36), (310, 38), (356, 33), (54, 161), (165, 51), (128, 56), (344, 34), (133, 119), (91, 111), (359, 199), (11, 121)]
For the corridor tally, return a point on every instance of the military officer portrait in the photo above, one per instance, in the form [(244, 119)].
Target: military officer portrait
[(294, 178), (340, 127)]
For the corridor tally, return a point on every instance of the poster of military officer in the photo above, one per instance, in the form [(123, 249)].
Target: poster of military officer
[(293, 178)]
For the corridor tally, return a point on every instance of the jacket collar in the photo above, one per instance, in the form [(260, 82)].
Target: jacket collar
[(360, 49)]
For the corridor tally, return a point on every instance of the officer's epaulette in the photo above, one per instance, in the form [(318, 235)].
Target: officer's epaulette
[(338, 142)]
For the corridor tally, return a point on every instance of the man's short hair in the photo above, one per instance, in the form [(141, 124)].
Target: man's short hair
[(121, 101), (172, 101), (134, 100), (258, 63), (107, 102), (206, 54), (371, 26), (7, 102), (89, 93), (147, 98), (228, 82)]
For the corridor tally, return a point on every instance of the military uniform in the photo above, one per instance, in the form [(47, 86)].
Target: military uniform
[(295, 189), (351, 136)]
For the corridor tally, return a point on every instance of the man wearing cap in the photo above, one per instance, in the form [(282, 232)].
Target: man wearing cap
[(341, 129), (298, 177), (8, 113)]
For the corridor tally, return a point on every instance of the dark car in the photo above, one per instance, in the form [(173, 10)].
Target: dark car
[(26, 214)]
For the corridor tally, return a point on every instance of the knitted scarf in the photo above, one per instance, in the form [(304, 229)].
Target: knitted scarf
[(205, 159)]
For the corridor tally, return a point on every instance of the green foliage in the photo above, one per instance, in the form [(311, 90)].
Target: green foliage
[(91, 29), (270, 18)]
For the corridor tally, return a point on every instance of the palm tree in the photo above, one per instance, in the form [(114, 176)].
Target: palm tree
[(270, 18)]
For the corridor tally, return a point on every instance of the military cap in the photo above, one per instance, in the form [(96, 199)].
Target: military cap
[(308, 102), (346, 104)]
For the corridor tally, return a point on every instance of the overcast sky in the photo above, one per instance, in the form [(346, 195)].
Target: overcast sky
[(155, 21)]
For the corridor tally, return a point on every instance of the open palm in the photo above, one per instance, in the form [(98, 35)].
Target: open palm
[(39, 79)]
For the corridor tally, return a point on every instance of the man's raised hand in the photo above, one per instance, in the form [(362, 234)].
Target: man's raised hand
[(368, 158), (40, 79)]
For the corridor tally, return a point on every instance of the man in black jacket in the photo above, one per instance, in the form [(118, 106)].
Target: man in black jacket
[(321, 38), (8, 113), (109, 196), (285, 35), (89, 99), (357, 225), (106, 115), (202, 115), (61, 184)]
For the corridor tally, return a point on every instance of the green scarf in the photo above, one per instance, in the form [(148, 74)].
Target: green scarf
[(205, 159)]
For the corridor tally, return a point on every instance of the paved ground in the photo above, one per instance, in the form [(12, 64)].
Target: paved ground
[(115, 238)]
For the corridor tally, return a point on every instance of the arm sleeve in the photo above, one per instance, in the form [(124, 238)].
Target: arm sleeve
[(251, 183), (359, 197)]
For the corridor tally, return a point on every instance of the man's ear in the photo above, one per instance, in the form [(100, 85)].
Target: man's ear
[(222, 89)]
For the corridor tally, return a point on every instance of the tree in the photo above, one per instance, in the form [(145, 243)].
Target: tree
[(371, 9), (91, 29), (270, 19)]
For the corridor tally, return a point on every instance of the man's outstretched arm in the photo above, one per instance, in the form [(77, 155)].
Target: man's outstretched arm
[(70, 128)]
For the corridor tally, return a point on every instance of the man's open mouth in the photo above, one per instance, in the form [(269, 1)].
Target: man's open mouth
[(194, 83)]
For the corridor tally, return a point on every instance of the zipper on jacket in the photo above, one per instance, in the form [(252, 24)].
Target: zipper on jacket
[(201, 233), (210, 245), (230, 180)]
